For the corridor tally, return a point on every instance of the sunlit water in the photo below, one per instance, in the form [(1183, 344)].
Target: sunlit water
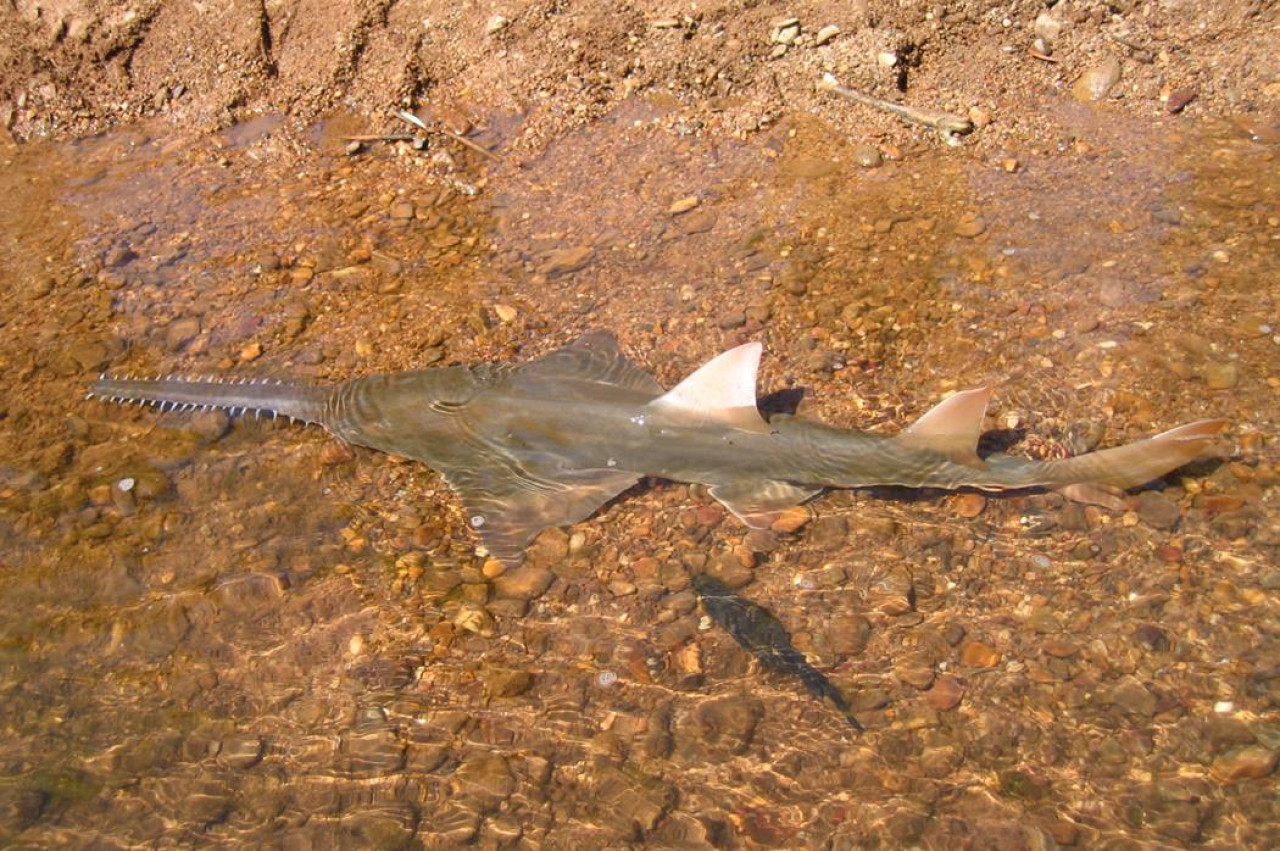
[(261, 636)]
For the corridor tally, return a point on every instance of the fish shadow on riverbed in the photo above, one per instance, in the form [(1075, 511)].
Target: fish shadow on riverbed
[(786, 401), (765, 637)]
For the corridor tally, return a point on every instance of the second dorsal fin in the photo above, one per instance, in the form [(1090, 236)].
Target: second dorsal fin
[(722, 391), (952, 427)]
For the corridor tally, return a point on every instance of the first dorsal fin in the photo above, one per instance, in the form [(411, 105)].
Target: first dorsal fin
[(952, 427), (722, 391), (595, 358)]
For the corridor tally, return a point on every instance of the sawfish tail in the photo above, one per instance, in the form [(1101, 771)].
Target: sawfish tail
[(1099, 477), (259, 396), (1136, 463), (952, 428)]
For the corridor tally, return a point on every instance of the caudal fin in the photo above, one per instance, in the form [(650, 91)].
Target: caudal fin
[(1087, 477)]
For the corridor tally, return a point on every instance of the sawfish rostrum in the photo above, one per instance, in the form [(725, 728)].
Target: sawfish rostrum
[(546, 443)]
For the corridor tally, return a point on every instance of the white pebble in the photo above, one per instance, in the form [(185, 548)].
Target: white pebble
[(1224, 707)]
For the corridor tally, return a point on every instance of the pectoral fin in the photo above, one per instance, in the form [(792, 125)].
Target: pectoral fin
[(758, 504), (952, 427), (1086, 493), (507, 504)]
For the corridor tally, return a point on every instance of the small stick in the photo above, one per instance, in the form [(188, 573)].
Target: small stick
[(405, 115), (946, 123), (394, 137)]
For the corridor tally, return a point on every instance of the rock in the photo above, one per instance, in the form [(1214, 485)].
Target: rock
[(828, 532), (1152, 638), (381, 826), (180, 332), (1096, 83), (825, 34), (524, 582), (1133, 697), (683, 205), (562, 261), (699, 222), (1235, 524), (730, 570), (785, 31), (484, 779), (970, 226), (504, 682), (1224, 733), (495, 24), (119, 255), (946, 694), (1179, 99), (867, 156), (242, 751), (211, 425), (916, 677), (792, 519), (848, 634), (890, 590), (250, 352), (150, 483), (940, 762), (1047, 27), (1043, 620), (388, 263), (1251, 763), (820, 579), (978, 654), (89, 356), (727, 723), (1157, 510), (968, 505), (1060, 649), (506, 313), (621, 588), (374, 753), (732, 319), (1253, 326), (1221, 375), (551, 547)]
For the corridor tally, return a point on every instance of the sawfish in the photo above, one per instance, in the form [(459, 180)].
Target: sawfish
[(548, 442)]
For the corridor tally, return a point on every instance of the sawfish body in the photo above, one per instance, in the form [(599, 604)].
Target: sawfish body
[(548, 442)]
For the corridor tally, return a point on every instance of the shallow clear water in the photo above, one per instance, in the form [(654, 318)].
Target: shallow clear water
[(266, 637)]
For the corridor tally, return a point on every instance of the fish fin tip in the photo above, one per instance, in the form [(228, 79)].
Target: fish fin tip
[(1088, 493), (760, 504), (1199, 430)]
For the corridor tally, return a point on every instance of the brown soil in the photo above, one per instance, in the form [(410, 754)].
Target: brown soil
[(69, 68)]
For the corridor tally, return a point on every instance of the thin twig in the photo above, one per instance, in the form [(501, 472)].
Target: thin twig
[(405, 115), (394, 137)]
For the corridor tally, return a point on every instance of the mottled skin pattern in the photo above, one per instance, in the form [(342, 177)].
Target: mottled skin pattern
[(548, 442)]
